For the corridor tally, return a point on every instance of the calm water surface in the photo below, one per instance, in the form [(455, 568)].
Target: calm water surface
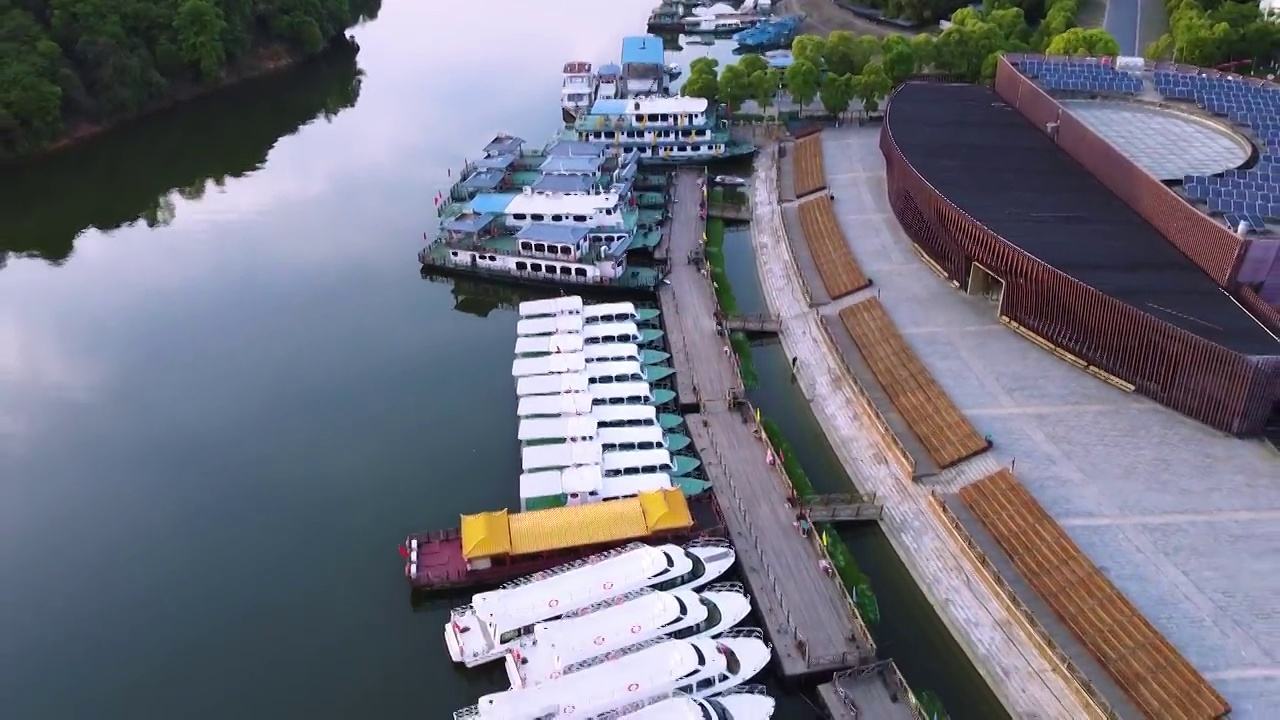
[(226, 393)]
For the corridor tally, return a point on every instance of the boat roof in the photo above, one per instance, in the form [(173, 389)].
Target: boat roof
[(595, 330), (609, 69), (551, 232), (565, 305), (565, 426), (577, 148), (627, 485), (503, 144), (556, 363), (582, 479), (577, 67), (613, 521), (634, 458), (612, 308), (654, 669), (555, 324), (608, 350), (528, 603), (491, 202), (570, 637), (610, 367), (576, 164), (649, 106), (486, 179), (469, 222), (565, 180), (608, 413), (551, 384), (605, 391), (562, 455), (554, 343), (643, 50), (567, 404), (643, 433), (558, 204)]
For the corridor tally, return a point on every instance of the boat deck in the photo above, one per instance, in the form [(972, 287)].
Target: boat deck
[(806, 613)]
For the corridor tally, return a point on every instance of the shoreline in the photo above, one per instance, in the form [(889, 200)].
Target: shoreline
[(1004, 652), (269, 61)]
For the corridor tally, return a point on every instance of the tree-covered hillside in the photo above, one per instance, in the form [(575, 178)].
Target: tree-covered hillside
[(69, 63)]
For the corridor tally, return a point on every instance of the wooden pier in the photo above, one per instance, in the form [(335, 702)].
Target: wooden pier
[(842, 508), (875, 692), (808, 615), (757, 323)]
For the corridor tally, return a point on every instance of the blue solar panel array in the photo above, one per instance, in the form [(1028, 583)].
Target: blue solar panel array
[(1081, 76), (1240, 195)]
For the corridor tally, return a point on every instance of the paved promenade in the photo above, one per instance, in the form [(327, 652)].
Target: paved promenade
[(1001, 648)]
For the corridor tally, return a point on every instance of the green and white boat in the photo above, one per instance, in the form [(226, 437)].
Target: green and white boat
[(610, 372), (685, 464), (622, 352), (654, 373), (623, 332), (557, 430), (643, 462), (630, 416), (543, 345), (649, 437), (586, 484), (691, 486), (611, 312), (627, 393)]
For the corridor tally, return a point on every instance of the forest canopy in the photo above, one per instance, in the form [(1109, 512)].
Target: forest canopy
[(70, 62)]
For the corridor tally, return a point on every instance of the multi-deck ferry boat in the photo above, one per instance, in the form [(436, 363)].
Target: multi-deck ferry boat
[(650, 672), (577, 89), (495, 621), (558, 647), (661, 129), (745, 702)]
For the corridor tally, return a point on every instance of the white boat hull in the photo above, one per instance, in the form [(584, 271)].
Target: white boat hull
[(746, 706), (717, 555)]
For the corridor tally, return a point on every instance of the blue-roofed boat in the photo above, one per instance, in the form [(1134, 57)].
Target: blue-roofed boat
[(660, 129), (770, 34), (644, 70)]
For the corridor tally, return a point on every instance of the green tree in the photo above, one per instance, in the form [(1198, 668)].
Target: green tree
[(764, 87), (1079, 41), (963, 49), (752, 64), (898, 60), (200, 27), (924, 51), (840, 55), (703, 64), (735, 87), (836, 93), (871, 86), (802, 80), (809, 47), (702, 83)]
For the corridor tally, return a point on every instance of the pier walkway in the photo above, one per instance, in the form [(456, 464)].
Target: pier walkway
[(1021, 671), (806, 612), (758, 323), (842, 507)]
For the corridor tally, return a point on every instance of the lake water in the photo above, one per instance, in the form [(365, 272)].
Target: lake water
[(226, 393)]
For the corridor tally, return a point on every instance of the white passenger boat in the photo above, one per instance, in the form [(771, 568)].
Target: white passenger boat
[(552, 384), (552, 430), (625, 393), (560, 456), (583, 484), (539, 406), (551, 307), (540, 345), (614, 332), (622, 416), (650, 672), (555, 647), (495, 620), (621, 352), (745, 702), (557, 324), (557, 364)]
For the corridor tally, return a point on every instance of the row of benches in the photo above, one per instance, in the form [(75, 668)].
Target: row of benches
[(1158, 679), (839, 271), (944, 431), (810, 175)]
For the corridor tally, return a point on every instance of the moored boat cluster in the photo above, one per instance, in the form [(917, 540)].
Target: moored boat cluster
[(642, 630)]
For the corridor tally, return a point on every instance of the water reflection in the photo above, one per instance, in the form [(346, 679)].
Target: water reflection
[(479, 298), (133, 172)]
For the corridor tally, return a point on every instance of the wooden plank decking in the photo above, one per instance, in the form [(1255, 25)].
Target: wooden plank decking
[(1156, 677), (840, 272), (806, 612), (810, 175)]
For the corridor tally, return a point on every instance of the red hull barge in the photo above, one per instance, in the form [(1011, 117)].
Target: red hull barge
[(467, 556)]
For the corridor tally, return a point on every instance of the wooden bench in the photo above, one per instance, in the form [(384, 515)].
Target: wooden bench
[(810, 175), (943, 430), (839, 271), (1159, 680)]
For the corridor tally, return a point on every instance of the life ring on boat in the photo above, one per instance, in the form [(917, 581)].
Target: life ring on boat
[(633, 687), (553, 602), (608, 585), (599, 640), (635, 629)]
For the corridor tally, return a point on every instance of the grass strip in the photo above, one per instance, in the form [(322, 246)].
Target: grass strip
[(932, 705), (725, 298)]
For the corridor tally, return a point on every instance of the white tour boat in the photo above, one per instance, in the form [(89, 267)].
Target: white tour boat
[(557, 646), (550, 325), (624, 416), (745, 702), (557, 364), (647, 673), (534, 458), (540, 345), (577, 89), (537, 406), (552, 384), (551, 307), (583, 484), (550, 430), (609, 312), (495, 620)]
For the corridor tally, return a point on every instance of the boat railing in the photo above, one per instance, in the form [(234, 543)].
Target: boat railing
[(575, 565), (461, 611), (726, 587), (613, 655), (710, 542), (611, 602), (753, 689), (469, 712), (638, 705), (749, 633)]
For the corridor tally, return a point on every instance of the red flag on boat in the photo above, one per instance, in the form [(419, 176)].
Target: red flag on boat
[(404, 552), (437, 201)]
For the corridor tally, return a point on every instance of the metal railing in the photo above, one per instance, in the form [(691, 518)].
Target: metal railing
[(892, 679), (1064, 666)]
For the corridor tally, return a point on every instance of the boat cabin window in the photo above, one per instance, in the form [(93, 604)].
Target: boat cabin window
[(453, 253), (579, 218), (580, 272), (684, 612), (557, 218), (566, 249), (565, 270), (698, 570), (551, 269), (537, 217), (519, 216), (522, 265), (511, 635), (536, 267), (713, 618)]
